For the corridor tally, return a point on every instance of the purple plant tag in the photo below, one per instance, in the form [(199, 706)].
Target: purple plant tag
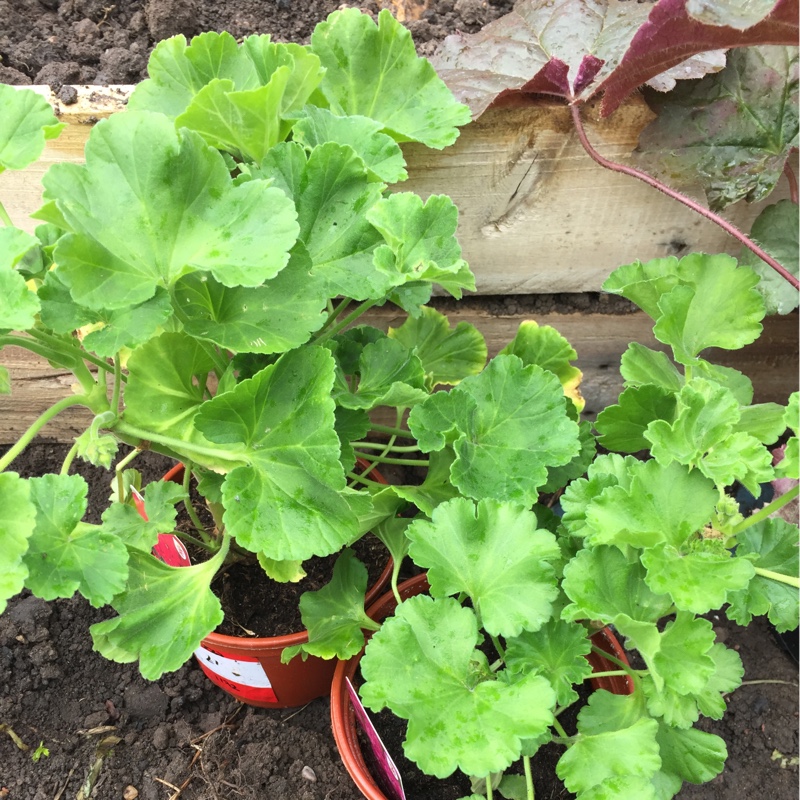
[(390, 779)]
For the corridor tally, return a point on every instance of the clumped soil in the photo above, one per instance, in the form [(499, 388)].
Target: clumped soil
[(183, 734)]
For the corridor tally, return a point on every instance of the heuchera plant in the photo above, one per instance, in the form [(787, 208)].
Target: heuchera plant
[(197, 274), (483, 666)]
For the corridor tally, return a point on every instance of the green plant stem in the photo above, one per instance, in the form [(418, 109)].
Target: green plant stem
[(4, 217), (187, 503), (560, 728), (385, 450), (117, 384), (334, 314), (770, 508), (39, 423), (342, 324), (355, 477), (789, 580), (629, 671), (499, 647), (412, 448), (526, 765), (732, 230), (610, 674), (73, 355), (410, 462), (118, 471), (489, 793), (68, 459), (402, 432)]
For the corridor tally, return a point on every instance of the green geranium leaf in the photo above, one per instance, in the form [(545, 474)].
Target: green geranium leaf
[(690, 755), (16, 247), (453, 722), (559, 477), (381, 154), (465, 548), (771, 545), (272, 318), (166, 385), (97, 449), (556, 651), (448, 355), (374, 71), (662, 504), (65, 555), (734, 381), (765, 421), (124, 521), (507, 426), (334, 615), (421, 244), (622, 426), (546, 347), (282, 571), (640, 365), (731, 131), (437, 487), (288, 500), (332, 192), (351, 425), (17, 521), (716, 306), (18, 304), (645, 283), (775, 229), (5, 381), (789, 467), (26, 124), (604, 586), (699, 580), (389, 375), (164, 613), (152, 204)]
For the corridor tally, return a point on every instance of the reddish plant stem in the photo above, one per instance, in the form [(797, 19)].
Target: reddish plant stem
[(656, 184), (792, 179)]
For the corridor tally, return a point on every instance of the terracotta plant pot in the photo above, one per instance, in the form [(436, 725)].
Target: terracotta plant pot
[(343, 716), (250, 668)]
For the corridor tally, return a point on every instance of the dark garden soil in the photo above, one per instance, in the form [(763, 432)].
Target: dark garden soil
[(182, 737)]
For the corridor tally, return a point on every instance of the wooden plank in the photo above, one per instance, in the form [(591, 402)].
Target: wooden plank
[(537, 215), (600, 340)]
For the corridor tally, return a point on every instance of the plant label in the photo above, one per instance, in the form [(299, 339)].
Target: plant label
[(388, 775), (242, 676)]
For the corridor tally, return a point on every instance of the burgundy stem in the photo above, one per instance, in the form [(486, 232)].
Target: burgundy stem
[(707, 213), (792, 178)]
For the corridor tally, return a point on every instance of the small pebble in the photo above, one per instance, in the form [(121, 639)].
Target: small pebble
[(309, 774), (130, 793)]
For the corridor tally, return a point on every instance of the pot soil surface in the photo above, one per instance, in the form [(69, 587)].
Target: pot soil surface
[(183, 733)]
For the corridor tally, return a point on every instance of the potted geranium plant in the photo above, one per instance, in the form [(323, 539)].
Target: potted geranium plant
[(196, 275), (482, 665)]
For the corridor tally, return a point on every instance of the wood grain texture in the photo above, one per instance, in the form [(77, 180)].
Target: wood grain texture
[(537, 215), (599, 339)]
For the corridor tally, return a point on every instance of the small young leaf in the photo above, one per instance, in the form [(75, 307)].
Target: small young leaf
[(775, 229), (437, 487), (507, 426), (164, 613), (645, 283), (65, 555), (26, 123), (775, 545), (334, 615), (465, 548), (454, 722), (448, 355), (17, 521), (622, 426), (641, 365), (374, 71), (789, 467)]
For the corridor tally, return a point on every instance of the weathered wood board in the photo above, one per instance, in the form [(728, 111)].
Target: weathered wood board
[(537, 215), (599, 339)]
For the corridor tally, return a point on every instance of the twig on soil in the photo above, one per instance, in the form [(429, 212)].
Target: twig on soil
[(17, 741), (756, 683), (66, 783), (294, 714)]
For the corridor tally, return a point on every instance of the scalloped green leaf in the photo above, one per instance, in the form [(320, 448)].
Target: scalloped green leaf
[(545, 346), (334, 615), (17, 521), (27, 122), (699, 580), (556, 651), (645, 283), (421, 243), (776, 230), (163, 615), (559, 477), (640, 365), (623, 426), (152, 204), (65, 555), (448, 355), (506, 425), (437, 487), (690, 755), (454, 722), (380, 153), (716, 305), (662, 504), (373, 70), (288, 500), (771, 545), (464, 548), (731, 131), (789, 467), (277, 316)]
